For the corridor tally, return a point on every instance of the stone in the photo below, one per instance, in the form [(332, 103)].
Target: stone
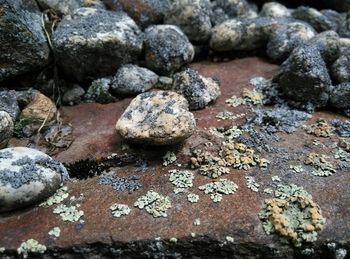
[(274, 10), (64, 7), (167, 49), (6, 128), (27, 176), (344, 30), (340, 96), (23, 45), (99, 91), (132, 79), (304, 77), (144, 12), (8, 103), (157, 118), (73, 95), (193, 18), (340, 70), (218, 16), (94, 43), (198, 90), (286, 38), (234, 8)]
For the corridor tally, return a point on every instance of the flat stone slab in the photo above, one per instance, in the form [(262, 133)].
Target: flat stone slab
[(138, 234)]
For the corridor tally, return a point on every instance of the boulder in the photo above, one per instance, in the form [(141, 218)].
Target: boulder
[(6, 128), (340, 96)]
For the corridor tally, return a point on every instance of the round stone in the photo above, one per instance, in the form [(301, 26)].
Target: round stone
[(6, 128)]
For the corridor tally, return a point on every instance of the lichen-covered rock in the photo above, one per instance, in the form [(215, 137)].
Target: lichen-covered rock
[(340, 96), (167, 49), (288, 37), (23, 45), (144, 12), (8, 103), (340, 69), (157, 118), (193, 18), (227, 35), (62, 7), (73, 95), (27, 176), (328, 44), (304, 76), (234, 8), (99, 91), (274, 10), (93, 43), (6, 128), (198, 90), (218, 16), (344, 30), (132, 79)]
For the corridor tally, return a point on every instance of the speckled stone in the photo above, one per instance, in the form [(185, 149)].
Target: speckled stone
[(8, 103), (198, 90), (157, 118), (167, 49), (27, 176), (132, 79), (234, 8), (62, 7), (93, 43), (328, 44), (193, 18), (6, 128), (73, 95), (340, 96), (274, 10), (340, 69)]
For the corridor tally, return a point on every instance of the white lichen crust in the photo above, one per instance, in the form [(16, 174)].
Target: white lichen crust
[(218, 188), (31, 246), (119, 210), (154, 203)]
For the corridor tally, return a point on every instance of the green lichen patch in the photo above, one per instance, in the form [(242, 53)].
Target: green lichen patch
[(252, 184), (218, 188), (69, 213), (55, 232), (30, 246), (252, 96), (60, 195), (322, 166), (169, 158), (320, 128), (227, 115), (297, 168), (229, 134), (191, 197), (154, 203), (268, 191), (235, 101), (275, 178), (119, 210), (181, 179)]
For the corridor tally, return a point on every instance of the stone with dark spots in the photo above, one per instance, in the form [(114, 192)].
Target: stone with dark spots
[(340, 96), (8, 103), (234, 8), (157, 118), (344, 30), (193, 18), (198, 90), (6, 128), (99, 91), (23, 45), (304, 77), (340, 70), (274, 10), (132, 79), (93, 43), (218, 16), (167, 49)]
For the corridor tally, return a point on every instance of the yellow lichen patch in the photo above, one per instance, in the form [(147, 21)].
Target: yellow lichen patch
[(320, 129), (342, 143), (252, 96), (322, 166)]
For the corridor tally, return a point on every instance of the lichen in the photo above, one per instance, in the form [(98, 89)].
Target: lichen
[(320, 128), (268, 191), (55, 232), (227, 115), (2, 250), (197, 222), (297, 168), (31, 246), (252, 96), (181, 179), (60, 195), (154, 203), (169, 158), (252, 184), (173, 240), (191, 197), (322, 166), (235, 101), (230, 239), (218, 188), (275, 178), (342, 152), (129, 184), (229, 134), (119, 210), (70, 213)]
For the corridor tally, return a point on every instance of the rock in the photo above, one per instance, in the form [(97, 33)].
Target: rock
[(27, 176), (288, 37), (6, 128), (193, 18), (144, 12), (328, 44), (304, 77), (227, 35), (218, 16), (344, 30), (338, 19), (62, 7), (157, 118), (23, 45), (132, 79), (8, 103), (340, 70), (164, 83), (234, 8), (274, 10), (167, 49), (340, 96), (99, 91), (198, 90), (93, 43), (73, 95)]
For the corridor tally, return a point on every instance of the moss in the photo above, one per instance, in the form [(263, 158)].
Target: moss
[(191, 197), (252, 184), (154, 203), (60, 195), (55, 232), (218, 188), (70, 213), (169, 158), (181, 179), (119, 210), (20, 125), (320, 129), (322, 166), (31, 246)]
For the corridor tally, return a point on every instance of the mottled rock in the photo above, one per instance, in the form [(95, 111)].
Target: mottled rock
[(274, 10), (164, 83), (198, 90), (93, 43), (344, 30), (6, 128), (23, 45), (144, 12), (27, 176), (234, 8), (286, 38), (132, 79), (328, 44), (99, 91), (8, 103), (62, 7), (227, 35), (157, 118), (193, 18), (340, 69), (73, 95), (304, 76), (340, 96), (218, 16), (167, 49)]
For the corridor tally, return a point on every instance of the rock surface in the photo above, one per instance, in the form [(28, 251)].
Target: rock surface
[(274, 10), (94, 43), (73, 95), (62, 7), (340, 69), (157, 118), (27, 176), (340, 96), (6, 128), (99, 91), (8, 103)]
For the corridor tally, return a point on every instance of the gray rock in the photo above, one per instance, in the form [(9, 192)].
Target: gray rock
[(62, 7), (344, 30), (164, 83), (218, 16), (234, 8), (340, 96), (274, 10), (227, 35), (6, 128), (304, 77), (73, 95), (94, 43), (27, 177), (288, 37), (198, 90), (8, 103), (157, 118), (328, 44), (193, 18), (340, 70), (99, 91), (167, 49), (23, 45), (132, 79), (338, 19)]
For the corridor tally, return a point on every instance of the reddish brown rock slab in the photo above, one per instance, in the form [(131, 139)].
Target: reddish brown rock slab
[(140, 235)]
